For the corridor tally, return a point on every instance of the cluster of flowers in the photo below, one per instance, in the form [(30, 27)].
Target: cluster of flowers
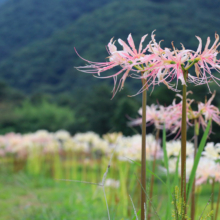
[(171, 116), (208, 167), (126, 149), (157, 65), (44, 142)]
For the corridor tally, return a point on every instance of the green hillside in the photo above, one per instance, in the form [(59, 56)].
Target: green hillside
[(25, 21)]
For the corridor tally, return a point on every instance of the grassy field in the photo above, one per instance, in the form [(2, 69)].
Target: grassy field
[(25, 197)]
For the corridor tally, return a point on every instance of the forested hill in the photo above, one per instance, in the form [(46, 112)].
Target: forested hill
[(25, 21), (37, 37)]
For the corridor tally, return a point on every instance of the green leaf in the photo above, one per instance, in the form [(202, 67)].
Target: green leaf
[(196, 162), (135, 162), (137, 214)]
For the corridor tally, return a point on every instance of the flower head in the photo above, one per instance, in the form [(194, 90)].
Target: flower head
[(207, 59), (126, 58), (161, 116), (208, 111), (157, 65)]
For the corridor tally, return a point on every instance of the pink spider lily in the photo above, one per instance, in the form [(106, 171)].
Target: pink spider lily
[(154, 71), (172, 114), (157, 65), (128, 58), (206, 60), (159, 116), (164, 65), (205, 112), (208, 111), (151, 116)]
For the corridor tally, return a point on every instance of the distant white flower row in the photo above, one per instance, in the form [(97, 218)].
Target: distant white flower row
[(45, 142), (125, 148)]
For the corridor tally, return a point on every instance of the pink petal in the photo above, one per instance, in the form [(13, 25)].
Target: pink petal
[(131, 43)]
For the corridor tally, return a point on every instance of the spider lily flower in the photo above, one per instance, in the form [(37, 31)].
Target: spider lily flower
[(157, 65), (174, 61), (130, 148), (161, 116), (206, 60), (151, 116), (217, 173), (208, 111), (129, 59), (171, 64), (212, 151), (205, 112), (168, 64), (174, 148), (112, 183), (172, 163), (205, 171)]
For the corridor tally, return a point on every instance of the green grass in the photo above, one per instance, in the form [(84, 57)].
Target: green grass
[(24, 197)]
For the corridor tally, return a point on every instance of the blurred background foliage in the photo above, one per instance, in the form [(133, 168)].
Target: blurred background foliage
[(40, 89)]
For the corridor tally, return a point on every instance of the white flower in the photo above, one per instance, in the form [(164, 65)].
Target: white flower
[(206, 169), (62, 135), (112, 183), (211, 151), (174, 148), (102, 145), (130, 147), (89, 137)]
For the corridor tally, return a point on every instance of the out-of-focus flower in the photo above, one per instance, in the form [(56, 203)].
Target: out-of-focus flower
[(79, 146), (92, 141), (206, 170), (42, 138), (171, 116), (217, 173), (174, 148), (212, 151), (208, 111), (112, 137), (62, 135), (130, 148), (17, 145), (89, 137), (161, 116), (112, 183), (101, 145), (172, 163)]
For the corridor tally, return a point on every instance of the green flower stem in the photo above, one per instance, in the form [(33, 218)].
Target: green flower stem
[(143, 150), (195, 61), (183, 148), (193, 203)]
